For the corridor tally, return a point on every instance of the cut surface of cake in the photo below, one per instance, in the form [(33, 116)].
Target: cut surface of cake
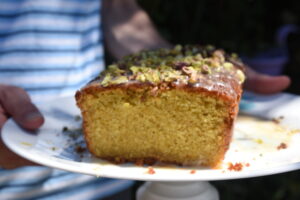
[(174, 106)]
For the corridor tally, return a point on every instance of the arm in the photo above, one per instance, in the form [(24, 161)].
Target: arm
[(128, 28)]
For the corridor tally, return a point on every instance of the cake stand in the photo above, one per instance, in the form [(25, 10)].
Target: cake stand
[(266, 140)]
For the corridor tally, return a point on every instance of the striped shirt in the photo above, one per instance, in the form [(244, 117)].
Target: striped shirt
[(30, 183), (51, 48)]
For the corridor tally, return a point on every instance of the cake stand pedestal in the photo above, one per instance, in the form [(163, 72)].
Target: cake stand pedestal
[(201, 190)]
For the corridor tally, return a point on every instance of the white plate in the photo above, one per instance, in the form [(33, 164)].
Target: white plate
[(254, 145)]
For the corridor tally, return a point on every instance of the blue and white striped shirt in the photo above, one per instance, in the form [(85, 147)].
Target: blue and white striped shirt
[(51, 48), (30, 183)]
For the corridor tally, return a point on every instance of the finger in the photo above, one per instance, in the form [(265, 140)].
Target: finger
[(16, 102), (3, 117), (265, 84), (10, 160)]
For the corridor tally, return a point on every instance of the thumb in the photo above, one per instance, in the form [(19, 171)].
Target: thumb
[(265, 84), (17, 104)]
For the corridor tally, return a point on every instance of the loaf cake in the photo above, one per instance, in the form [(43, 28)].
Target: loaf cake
[(173, 106)]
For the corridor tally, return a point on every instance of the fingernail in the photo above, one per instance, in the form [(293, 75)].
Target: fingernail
[(33, 116)]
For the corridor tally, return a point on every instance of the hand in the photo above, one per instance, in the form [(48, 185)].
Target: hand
[(265, 84), (16, 103), (128, 29)]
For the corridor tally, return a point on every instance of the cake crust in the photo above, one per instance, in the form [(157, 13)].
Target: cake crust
[(223, 82)]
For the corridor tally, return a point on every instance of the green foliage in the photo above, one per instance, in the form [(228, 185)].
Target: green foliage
[(237, 25), (284, 186)]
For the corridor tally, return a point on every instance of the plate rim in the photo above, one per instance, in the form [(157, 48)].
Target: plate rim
[(228, 175)]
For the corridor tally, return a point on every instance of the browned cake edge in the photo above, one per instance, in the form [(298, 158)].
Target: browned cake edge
[(94, 88)]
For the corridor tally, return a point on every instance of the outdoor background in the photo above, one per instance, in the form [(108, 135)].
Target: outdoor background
[(244, 26)]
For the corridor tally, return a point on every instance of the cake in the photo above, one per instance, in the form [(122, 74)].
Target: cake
[(173, 106)]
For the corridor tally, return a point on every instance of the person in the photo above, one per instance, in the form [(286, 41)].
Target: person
[(49, 49)]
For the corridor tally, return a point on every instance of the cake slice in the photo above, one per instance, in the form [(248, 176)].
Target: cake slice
[(170, 105)]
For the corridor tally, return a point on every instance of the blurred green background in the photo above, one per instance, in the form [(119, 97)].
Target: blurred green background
[(243, 26)]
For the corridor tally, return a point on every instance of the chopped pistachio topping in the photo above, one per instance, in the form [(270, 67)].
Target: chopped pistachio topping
[(241, 76), (187, 64), (228, 65)]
